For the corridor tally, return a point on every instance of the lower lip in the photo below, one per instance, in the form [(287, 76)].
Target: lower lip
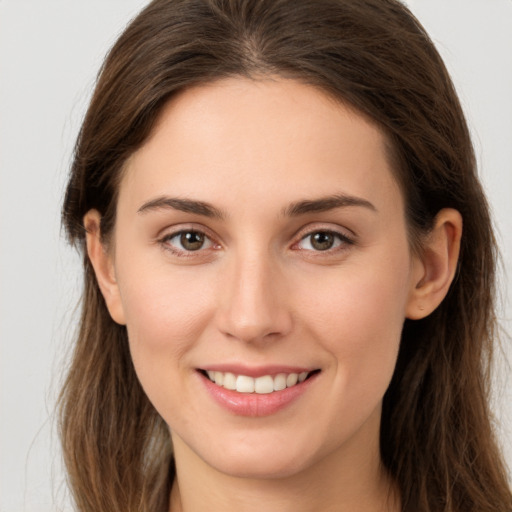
[(255, 404)]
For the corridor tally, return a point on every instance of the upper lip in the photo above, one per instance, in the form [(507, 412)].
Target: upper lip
[(256, 371)]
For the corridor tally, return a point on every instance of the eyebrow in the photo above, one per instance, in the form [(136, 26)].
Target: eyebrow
[(324, 204), (295, 209), (184, 205)]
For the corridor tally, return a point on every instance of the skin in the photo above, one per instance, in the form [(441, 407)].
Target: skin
[(258, 292)]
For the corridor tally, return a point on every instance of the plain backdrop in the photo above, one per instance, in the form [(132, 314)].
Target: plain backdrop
[(50, 51)]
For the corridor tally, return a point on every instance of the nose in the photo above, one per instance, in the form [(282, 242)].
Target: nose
[(254, 301)]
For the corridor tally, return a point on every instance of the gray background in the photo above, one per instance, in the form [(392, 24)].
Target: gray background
[(50, 51)]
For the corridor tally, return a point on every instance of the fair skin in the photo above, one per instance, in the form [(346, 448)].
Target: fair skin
[(260, 232)]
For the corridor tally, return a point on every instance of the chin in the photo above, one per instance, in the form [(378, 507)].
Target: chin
[(259, 461), (258, 468)]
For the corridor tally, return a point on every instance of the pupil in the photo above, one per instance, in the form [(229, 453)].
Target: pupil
[(322, 241), (192, 241)]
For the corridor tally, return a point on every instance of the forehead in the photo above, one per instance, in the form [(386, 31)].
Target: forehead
[(254, 137)]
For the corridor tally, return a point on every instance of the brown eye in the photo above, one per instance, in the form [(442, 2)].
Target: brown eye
[(319, 241), (192, 240), (322, 241), (187, 241)]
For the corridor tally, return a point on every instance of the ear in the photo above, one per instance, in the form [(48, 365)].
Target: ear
[(102, 261), (435, 268)]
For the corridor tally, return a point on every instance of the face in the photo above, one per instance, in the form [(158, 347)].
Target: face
[(261, 243)]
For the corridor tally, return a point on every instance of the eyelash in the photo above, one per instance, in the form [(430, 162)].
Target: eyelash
[(166, 239), (341, 242)]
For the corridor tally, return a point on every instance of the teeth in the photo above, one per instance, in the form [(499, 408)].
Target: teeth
[(291, 380), (229, 381), (264, 385), (261, 385), (244, 384), (280, 382)]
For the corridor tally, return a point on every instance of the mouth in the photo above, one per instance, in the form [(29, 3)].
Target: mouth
[(262, 385), (264, 392)]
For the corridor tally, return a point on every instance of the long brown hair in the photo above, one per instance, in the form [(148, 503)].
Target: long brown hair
[(436, 435)]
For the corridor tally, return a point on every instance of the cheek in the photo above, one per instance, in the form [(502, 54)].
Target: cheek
[(358, 315), (165, 313)]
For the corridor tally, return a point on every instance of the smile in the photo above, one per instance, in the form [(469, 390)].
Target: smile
[(261, 393), (263, 385)]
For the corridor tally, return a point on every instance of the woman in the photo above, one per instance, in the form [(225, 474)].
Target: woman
[(289, 269)]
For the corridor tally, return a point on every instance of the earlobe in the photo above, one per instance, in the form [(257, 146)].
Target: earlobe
[(435, 269), (102, 262)]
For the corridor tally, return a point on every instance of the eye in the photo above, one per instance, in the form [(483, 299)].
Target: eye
[(323, 241), (187, 241)]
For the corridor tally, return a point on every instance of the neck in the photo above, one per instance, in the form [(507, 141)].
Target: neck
[(345, 480)]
